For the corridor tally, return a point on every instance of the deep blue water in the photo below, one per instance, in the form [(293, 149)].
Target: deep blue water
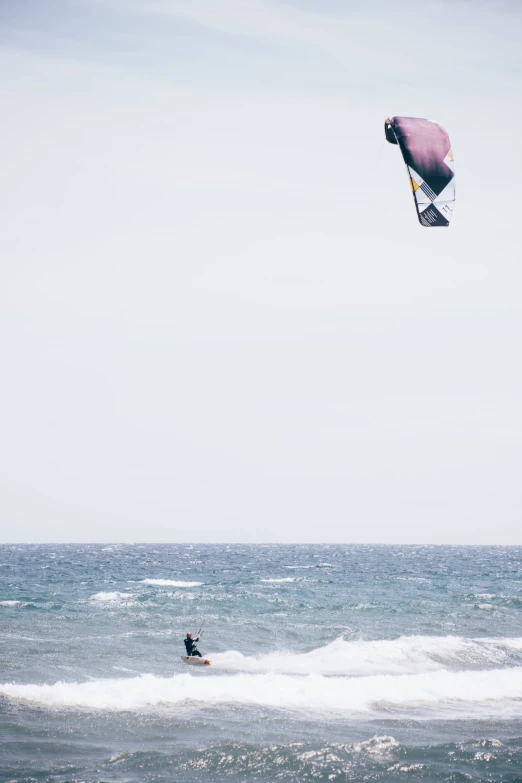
[(329, 663)]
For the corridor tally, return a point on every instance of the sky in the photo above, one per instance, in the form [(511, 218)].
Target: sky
[(219, 317)]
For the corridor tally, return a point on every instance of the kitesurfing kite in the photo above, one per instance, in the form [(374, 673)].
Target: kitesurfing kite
[(426, 150)]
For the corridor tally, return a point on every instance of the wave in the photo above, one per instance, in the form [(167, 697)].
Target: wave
[(294, 761), (10, 603), (456, 694), (113, 598), (170, 583), (286, 579), (406, 655)]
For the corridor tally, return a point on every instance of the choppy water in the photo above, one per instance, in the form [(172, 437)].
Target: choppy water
[(330, 663)]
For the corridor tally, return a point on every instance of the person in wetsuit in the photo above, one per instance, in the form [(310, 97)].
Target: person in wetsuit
[(190, 646)]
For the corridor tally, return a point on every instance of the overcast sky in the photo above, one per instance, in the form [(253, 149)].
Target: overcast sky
[(219, 317)]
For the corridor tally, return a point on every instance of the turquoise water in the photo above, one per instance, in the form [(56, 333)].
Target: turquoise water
[(330, 663)]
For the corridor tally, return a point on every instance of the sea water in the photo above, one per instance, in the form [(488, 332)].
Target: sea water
[(329, 663)]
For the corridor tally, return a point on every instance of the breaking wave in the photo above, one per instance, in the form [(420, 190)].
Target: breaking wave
[(170, 583), (456, 694), (112, 598), (406, 655)]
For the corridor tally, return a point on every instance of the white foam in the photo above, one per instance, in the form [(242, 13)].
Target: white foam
[(513, 644), (113, 598), (10, 603), (286, 579), (455, 693), (376, 746), (170, 583), (483, 756), (401, 767), (406, 655)]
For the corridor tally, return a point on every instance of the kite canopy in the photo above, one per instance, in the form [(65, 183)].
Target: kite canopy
[(426, 150)]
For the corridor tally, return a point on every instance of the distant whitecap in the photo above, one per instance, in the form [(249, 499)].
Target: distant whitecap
[(170, 583)]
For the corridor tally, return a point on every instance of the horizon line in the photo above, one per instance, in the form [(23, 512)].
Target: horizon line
[(243, 543)]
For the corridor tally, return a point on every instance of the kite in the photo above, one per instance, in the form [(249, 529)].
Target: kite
[(426, 150)]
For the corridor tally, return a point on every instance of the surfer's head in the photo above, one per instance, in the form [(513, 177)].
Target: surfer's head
[(189, 635)]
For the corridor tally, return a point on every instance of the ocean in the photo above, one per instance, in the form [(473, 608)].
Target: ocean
[(329, 663)]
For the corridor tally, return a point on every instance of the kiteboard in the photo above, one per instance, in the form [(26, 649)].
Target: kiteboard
[(195, 661)]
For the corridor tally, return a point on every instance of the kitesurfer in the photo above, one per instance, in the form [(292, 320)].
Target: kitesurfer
[(190, 645)]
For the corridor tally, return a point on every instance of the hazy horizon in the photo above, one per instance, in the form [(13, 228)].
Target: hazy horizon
[(325, 544)]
